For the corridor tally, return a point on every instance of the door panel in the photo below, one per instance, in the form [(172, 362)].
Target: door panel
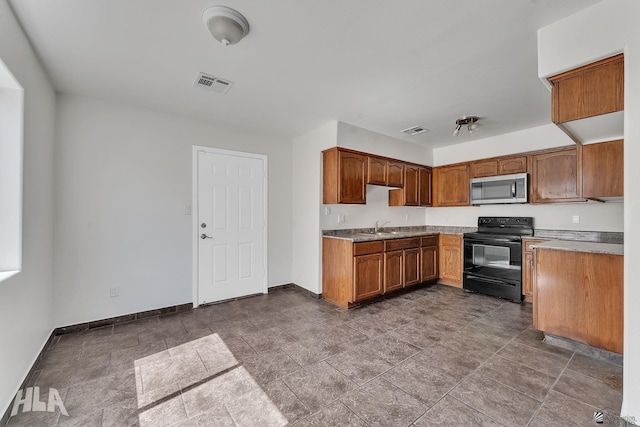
[(231, 218)]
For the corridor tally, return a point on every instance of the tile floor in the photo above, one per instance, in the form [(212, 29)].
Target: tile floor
[(433, 357)]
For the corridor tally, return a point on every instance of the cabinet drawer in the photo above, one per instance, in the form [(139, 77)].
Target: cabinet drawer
[(450, 240), (429, 241), (527, 243), (365, 248), (394, 245)]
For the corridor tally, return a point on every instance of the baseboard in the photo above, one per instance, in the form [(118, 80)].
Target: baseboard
[(27, 378), (122, 319), (297, 288)]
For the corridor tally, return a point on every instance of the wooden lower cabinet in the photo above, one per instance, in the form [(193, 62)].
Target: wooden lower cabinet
[(579, 296), (528, 268), (411, 266), (393, 267), (451, 259), (429, 259), (353, 272), (367, 279)]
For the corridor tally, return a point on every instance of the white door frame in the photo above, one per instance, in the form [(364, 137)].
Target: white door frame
[(194, 212)]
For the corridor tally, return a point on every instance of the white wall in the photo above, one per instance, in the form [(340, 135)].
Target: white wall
[(604, 29), (593, 216), (123, 176), (307, 196), (25, 299), (537, 138)]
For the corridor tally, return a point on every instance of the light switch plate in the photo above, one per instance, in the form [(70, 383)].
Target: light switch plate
[(114, 291)]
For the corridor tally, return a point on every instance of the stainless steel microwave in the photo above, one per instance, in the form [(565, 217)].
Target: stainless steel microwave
[(499, 189)]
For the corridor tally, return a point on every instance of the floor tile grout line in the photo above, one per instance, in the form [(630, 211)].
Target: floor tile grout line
[(550, 389)]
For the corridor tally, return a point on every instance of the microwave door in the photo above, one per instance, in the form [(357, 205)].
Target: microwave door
[(492, 191)]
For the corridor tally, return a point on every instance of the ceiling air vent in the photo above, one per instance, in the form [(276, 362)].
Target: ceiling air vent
[(414, 130), (211, 83)]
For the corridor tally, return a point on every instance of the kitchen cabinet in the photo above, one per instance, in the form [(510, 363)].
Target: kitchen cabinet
[(393, 268), (367, 281), (588, 91), (409, 194), (395, 174), (602, 169), (381, 171), (344, 177), (402, 263), (555, 176), (579, 296), (498, 166), (451, 185), (356, 271), (424, 186), (528, 268), (429, 258), (351, 271), (451, 259)]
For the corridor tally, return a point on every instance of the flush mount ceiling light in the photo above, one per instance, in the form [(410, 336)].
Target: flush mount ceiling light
[(226, 25), (469, 121)]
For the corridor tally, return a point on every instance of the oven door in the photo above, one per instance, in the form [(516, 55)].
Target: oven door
[(493, 265)]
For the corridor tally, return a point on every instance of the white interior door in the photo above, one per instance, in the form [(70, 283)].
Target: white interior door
[(230, 226)]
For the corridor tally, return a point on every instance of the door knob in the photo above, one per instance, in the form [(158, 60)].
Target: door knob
[(204, 236)]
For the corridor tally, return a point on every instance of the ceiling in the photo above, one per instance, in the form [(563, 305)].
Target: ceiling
[(378, 64)]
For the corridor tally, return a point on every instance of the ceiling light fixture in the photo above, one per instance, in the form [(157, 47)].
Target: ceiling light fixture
[(226, 25), (469, 121)]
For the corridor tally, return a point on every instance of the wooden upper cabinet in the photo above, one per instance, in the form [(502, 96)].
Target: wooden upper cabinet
[(424, 187), (509, 165), (395, 174), (588, 91), (451, 185), (408, 195), (602, 169), (344, 177), (483, 168), (376, 171), (498, 166), (555, 177)]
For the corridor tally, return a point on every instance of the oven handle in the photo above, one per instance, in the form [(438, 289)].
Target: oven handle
[(489, 241), (485, 279)]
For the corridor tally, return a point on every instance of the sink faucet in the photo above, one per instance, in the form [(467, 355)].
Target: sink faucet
[(377, 227)]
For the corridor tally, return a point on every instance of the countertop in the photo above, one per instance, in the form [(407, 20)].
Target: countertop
[(580, 246), (366, 234)]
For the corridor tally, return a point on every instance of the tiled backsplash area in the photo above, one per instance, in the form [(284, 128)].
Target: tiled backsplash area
[(587, 236)]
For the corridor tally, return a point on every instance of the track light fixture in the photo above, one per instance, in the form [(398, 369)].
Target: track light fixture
[(469, 121)]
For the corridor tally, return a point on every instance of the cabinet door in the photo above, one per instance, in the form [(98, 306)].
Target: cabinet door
[(411, 266), (588, 91), (451, 259), (367, 281), (393, 267), (411, 185), (602, 169), (424, 187), (484, 168), (352, 178), (451, 185), (428, 263), (395, 174), (376, 171), (512, 165), (555, 176)]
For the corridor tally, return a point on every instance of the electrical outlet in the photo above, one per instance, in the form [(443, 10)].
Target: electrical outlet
[(406, 217), (187, 210), (576, 219), (114, 291), (340, 219), (327, 210)]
